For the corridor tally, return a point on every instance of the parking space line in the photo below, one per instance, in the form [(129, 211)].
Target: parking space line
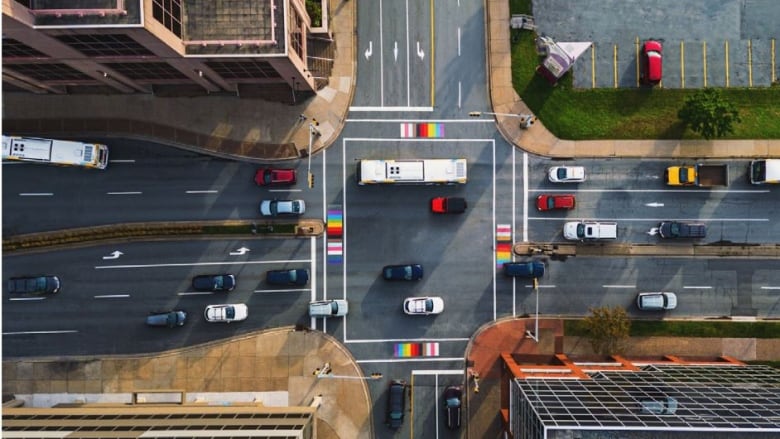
[(682, 64), (772, 62), (437, 372), (614, 65), (593, 65), (636, 57), (726, 60), (704, 60), (750, 63)]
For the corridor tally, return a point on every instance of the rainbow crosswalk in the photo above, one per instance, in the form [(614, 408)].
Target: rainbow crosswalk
[(430, 130), (417, 349), (335, 227), (503, 244)]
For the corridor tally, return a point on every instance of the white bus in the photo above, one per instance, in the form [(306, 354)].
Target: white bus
[(57, 152), (414, 171)]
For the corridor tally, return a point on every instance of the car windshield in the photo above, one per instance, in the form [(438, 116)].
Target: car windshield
[(230, 312), (428, 305), (293, 275), (218, 282), (561, 173), (334, 308), (274, 207), (550, 202), (171, 320), (296, 206), (675, 229), (453, 402), (407, 272), (580, 230), (267, 177), (683, 175)]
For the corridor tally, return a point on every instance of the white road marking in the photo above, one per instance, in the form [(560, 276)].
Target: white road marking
[(381, 59), (284, 190), (408, 340), (619, 286), (121, 161), (124, 193), (26, 298), (404, 109), (458, 40), (697, 287), (195, 293), (540, 286), (495, 255), (198, 264), (690, 191), (288, 290), (36, 194), (703, 220), (408, 63), (410, 360), (459, 95), (525, 194), (112, 296), (770, 288), (438, 372), (201, 192), (64, 331), (491, 121)]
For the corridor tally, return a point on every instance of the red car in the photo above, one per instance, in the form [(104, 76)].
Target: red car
[(653, 65), (555, 202), (448, 205), (275, 177)]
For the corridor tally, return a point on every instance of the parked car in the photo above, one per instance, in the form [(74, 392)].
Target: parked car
[(328, 308), (590, 230), (214, 282), (33, 285), (423, 305), (528, 269), (403, 272), (555, 202), (396, 404), (295, 276), (656, 301), (652, 62), (453, 398), (169, 319), (275, 177), (226, 313), (667, 406), (566, 174), (448, 205), (675, 229), (282, 207)]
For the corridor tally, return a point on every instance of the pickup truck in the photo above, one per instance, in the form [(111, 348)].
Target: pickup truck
[(674, 229), (582, 230), (700, 174)]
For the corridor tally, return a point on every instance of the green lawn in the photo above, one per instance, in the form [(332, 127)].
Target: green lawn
[(625, 113), (679, 328)]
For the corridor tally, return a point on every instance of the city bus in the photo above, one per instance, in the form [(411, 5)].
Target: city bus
[(413, 171), (56, 152)]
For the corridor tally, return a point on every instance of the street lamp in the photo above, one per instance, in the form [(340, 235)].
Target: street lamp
[(313, 131), (526, 120), (535, 335), (326, 372)]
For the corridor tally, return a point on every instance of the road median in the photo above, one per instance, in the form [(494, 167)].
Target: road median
[(560, 250)]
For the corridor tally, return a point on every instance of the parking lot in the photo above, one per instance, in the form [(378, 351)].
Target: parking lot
[(707, 43)]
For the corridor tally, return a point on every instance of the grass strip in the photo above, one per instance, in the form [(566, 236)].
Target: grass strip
[(689, 328)]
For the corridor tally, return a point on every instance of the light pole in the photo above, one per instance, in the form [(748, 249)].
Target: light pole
[(535, 335), (313, 131), (526, 120), (326, 372)]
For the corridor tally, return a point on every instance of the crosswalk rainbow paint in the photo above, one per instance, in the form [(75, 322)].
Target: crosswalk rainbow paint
[(429, 130), (417, 349), (335, 223), (503, 244)]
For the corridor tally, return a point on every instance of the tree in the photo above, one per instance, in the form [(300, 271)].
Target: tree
[(709, 113), (607, 329)]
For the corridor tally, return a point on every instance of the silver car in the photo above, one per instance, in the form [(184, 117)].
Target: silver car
[(328, 308), (656, 301), (282, 207)]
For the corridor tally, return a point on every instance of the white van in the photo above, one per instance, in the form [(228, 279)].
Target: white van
[(589, 230)]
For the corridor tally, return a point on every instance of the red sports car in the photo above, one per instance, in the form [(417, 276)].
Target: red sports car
[(555, 202), (275, 177)]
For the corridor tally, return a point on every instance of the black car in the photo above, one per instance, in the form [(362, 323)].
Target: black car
[(170, 319), (396, 404), (402, 272), (524, 269), (298, 276), (214, 282), (33, 285), (453, 398), (675, 229)]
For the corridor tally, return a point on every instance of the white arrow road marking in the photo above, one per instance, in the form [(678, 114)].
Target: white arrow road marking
[(653, 231), (239, 252), (370, 50), (395, 51), (654, 204), (114, 255), (420, 52)]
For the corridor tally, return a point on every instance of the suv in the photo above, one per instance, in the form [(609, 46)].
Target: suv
[(590, 230), (452, 406), (656, 301), (675, 229), (169, 319), (555, 202), (214, 282), (297, 276), (396, 403), (328, 308), (34, 285), (524, 269)]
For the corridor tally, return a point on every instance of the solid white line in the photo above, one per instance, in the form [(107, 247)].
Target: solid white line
[(708, 191), (381, 60), (26, 298), (495, 256), (525, 196), (619, 286), (438, 372), (124, 193), (770, 288), (201, 192), (514, 227), (121, 161), (36, 194), (417, 139), (491, 121), (697, 287), (195, 293), (411, 360), (459, 96), (427, 109), (343, 229), (198, 264), (290, 290), (285, 190), (408, 63), (703, 220), (409, 340), (540, 286), (112, 296), (458, 40), (65, 331)]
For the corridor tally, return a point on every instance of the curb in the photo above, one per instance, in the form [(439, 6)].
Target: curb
[(713, 250)]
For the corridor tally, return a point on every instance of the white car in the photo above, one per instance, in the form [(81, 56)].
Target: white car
[(226, 313), (566, 174), (282, 207), (328, 308), (656, 301), (423, 305)]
